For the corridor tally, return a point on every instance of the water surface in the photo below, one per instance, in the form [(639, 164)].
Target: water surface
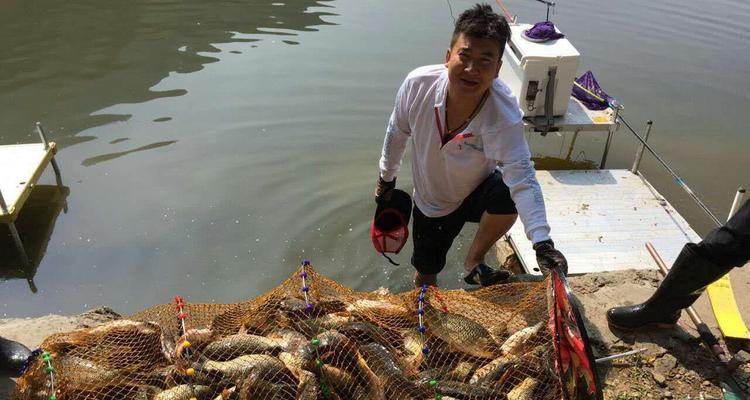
[(209, 146)]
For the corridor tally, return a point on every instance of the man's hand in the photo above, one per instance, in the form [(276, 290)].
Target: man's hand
[(547, 257), (382, 188)]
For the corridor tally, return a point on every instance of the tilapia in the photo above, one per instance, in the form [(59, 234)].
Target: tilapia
[(525, 390), (185, 392), (240, 344), (461, 333)]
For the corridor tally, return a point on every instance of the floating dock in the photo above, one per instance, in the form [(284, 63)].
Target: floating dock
[(600, 220)]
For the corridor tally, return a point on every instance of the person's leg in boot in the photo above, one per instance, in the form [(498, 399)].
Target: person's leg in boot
[(696, 267), (684, 283)]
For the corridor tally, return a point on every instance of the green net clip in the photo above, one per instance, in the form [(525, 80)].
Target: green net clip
[(315, 342)]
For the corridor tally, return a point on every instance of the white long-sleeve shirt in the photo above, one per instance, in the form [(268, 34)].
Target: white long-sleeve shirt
[(444, 175)]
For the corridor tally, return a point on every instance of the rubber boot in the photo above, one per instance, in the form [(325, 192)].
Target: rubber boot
[(13, 356), (682, 286)]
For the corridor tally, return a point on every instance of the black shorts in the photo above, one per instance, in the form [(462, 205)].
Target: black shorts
[(433, 237)]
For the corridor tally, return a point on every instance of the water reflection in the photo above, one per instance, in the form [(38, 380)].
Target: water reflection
[(35, 225), (63, 61)]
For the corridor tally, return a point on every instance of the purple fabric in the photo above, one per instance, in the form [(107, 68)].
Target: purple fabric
[(543, 31), (588, 81)]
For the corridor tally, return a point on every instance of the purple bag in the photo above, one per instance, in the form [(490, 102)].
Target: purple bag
[(599, 100), (542, 32)]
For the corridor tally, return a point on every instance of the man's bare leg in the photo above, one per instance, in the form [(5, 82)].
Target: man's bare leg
[(491, 228), (425, 279)]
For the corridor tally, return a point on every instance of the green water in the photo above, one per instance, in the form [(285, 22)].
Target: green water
[(209, 146)]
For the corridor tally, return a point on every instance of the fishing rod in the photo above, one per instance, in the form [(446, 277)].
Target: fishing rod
[(678, 179), (549, 4), (509, 16)]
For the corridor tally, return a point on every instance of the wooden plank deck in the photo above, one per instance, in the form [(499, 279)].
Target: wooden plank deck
[(601, 220), (21, 165)]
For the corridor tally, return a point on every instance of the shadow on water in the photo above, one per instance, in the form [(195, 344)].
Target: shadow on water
[(111, 156), (35, 225), (63, 61)]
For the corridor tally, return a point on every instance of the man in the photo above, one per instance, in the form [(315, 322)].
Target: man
[(463, 123), (697, 266)]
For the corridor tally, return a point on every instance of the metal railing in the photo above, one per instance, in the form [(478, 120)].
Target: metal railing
[(680, 182)]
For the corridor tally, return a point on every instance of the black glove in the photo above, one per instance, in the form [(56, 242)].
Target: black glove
[(382, 188), (547, 257)]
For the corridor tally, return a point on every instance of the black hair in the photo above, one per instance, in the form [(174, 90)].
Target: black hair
[(482, 23)]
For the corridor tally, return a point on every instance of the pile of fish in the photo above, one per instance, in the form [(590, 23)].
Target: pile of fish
[(366, 348)]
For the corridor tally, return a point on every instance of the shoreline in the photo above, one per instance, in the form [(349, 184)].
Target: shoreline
[(675, 364)]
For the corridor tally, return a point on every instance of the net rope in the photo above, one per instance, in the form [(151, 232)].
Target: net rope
[(311, 338)]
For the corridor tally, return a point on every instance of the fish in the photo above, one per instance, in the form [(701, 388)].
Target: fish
[(184, 392), (363, 333), (297, 363), (262, 365), (85, 374), (525, 390), (255, 387), (461, 333), (397, 385), (195, 339), (458, 372), (337, 350), (382, 312), (521, 341), (120, 344), (413, 355), (240, 344), (289, 339), (461, 390), (324, 322), (226, 393), (308, 387), (491, 371), (344, 383)]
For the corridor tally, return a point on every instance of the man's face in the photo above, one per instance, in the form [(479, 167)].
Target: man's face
[(473, 64)]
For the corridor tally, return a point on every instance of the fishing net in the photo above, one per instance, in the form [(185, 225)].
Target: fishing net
[(312, 338)]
